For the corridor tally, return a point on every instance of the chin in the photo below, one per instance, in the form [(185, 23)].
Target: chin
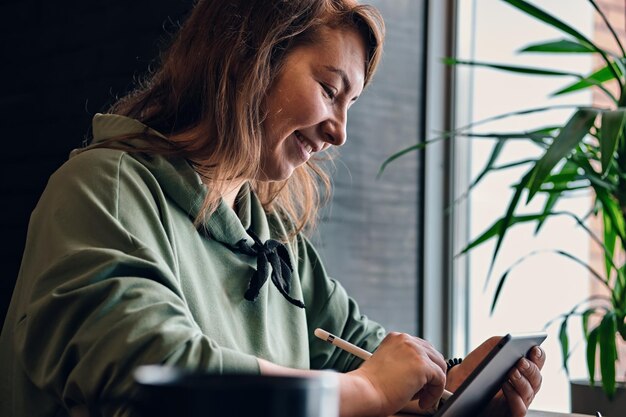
[(277, 175)]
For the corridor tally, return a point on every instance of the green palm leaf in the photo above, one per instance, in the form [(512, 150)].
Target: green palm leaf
[(412, 148), (508, 217), (539, 133), (592, 342), (568, 173), (612, 125), (620, 289), (603, 185), (585, 321), (564, 341), (568, 138), (596, 78), (609, 26), (621, 326), (536, 136), (611, 207), (513, 68), (567, 255), (593, 272), (559, 46), (495, 153), (553, 21), (551, 201), (608, 352), (495, 229)]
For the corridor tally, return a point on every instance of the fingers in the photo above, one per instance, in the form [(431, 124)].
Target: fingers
[(518, 392), (530, 368), (525, 378), (522, 384), (524, 381), (432, 383), (538, 356), (429, 368), (433, 354), (404, 368), (517, 408), (421, 346), (429, 395)]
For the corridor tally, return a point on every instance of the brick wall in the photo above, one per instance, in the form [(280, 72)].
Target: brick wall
[(615, 11)]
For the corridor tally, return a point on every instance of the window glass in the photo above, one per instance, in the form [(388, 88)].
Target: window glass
[(544, 285)]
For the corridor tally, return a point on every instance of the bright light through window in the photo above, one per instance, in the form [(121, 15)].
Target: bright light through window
[(545, 285)]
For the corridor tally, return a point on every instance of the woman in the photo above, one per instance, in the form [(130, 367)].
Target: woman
[(155, 243)]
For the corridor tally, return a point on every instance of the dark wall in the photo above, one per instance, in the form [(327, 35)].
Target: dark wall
[(62, 61)]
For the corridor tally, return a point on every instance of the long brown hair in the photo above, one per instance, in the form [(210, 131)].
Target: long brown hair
[(207, 94)]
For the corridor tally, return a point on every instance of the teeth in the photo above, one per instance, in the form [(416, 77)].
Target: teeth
[(307, 146)]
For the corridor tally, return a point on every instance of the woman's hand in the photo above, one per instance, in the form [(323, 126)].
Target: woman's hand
[(518, 391), (403, 368)]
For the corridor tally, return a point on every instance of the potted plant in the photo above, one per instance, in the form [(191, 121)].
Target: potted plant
[(588, 151)]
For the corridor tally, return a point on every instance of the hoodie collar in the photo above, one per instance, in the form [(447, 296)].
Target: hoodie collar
[(183, 185)]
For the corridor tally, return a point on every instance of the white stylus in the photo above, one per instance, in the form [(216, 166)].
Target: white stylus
[(357, 351)]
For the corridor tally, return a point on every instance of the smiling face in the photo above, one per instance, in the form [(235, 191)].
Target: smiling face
[(308, 102)]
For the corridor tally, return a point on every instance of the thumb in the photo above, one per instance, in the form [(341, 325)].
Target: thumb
[(430, 394)]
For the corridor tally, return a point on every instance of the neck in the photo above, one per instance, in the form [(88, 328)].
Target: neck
[(231, 191)]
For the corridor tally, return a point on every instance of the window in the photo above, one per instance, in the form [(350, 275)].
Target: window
[(543, 285)]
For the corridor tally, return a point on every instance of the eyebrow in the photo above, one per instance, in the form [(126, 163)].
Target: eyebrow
[(347, 85)]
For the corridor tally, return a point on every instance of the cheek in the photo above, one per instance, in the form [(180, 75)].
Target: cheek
[(293, 110), (307, 110)]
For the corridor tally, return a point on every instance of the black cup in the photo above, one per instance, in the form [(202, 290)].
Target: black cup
[(167, 391)]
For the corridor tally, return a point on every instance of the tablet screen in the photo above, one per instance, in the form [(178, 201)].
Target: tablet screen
[(485, 381)]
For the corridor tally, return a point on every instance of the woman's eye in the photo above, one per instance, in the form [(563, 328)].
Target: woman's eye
[(329, 91)]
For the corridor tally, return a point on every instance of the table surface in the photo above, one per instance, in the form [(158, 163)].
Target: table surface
[(531, 413)]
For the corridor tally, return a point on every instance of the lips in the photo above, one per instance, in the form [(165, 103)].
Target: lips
[(306, 143)]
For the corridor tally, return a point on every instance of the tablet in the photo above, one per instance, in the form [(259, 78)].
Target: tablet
[(485, 381)]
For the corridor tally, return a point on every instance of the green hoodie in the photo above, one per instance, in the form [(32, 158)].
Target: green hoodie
[(115, 275)]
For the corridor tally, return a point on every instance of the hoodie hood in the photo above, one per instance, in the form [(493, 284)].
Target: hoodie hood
[(183, 185)]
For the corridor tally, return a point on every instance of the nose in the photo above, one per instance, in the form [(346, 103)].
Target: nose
[(334, 128)]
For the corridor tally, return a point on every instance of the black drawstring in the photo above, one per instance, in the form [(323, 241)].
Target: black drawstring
[(273, 253)]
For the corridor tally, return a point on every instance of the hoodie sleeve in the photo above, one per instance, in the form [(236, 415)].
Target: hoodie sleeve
[(99, 300), (329, 307)]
